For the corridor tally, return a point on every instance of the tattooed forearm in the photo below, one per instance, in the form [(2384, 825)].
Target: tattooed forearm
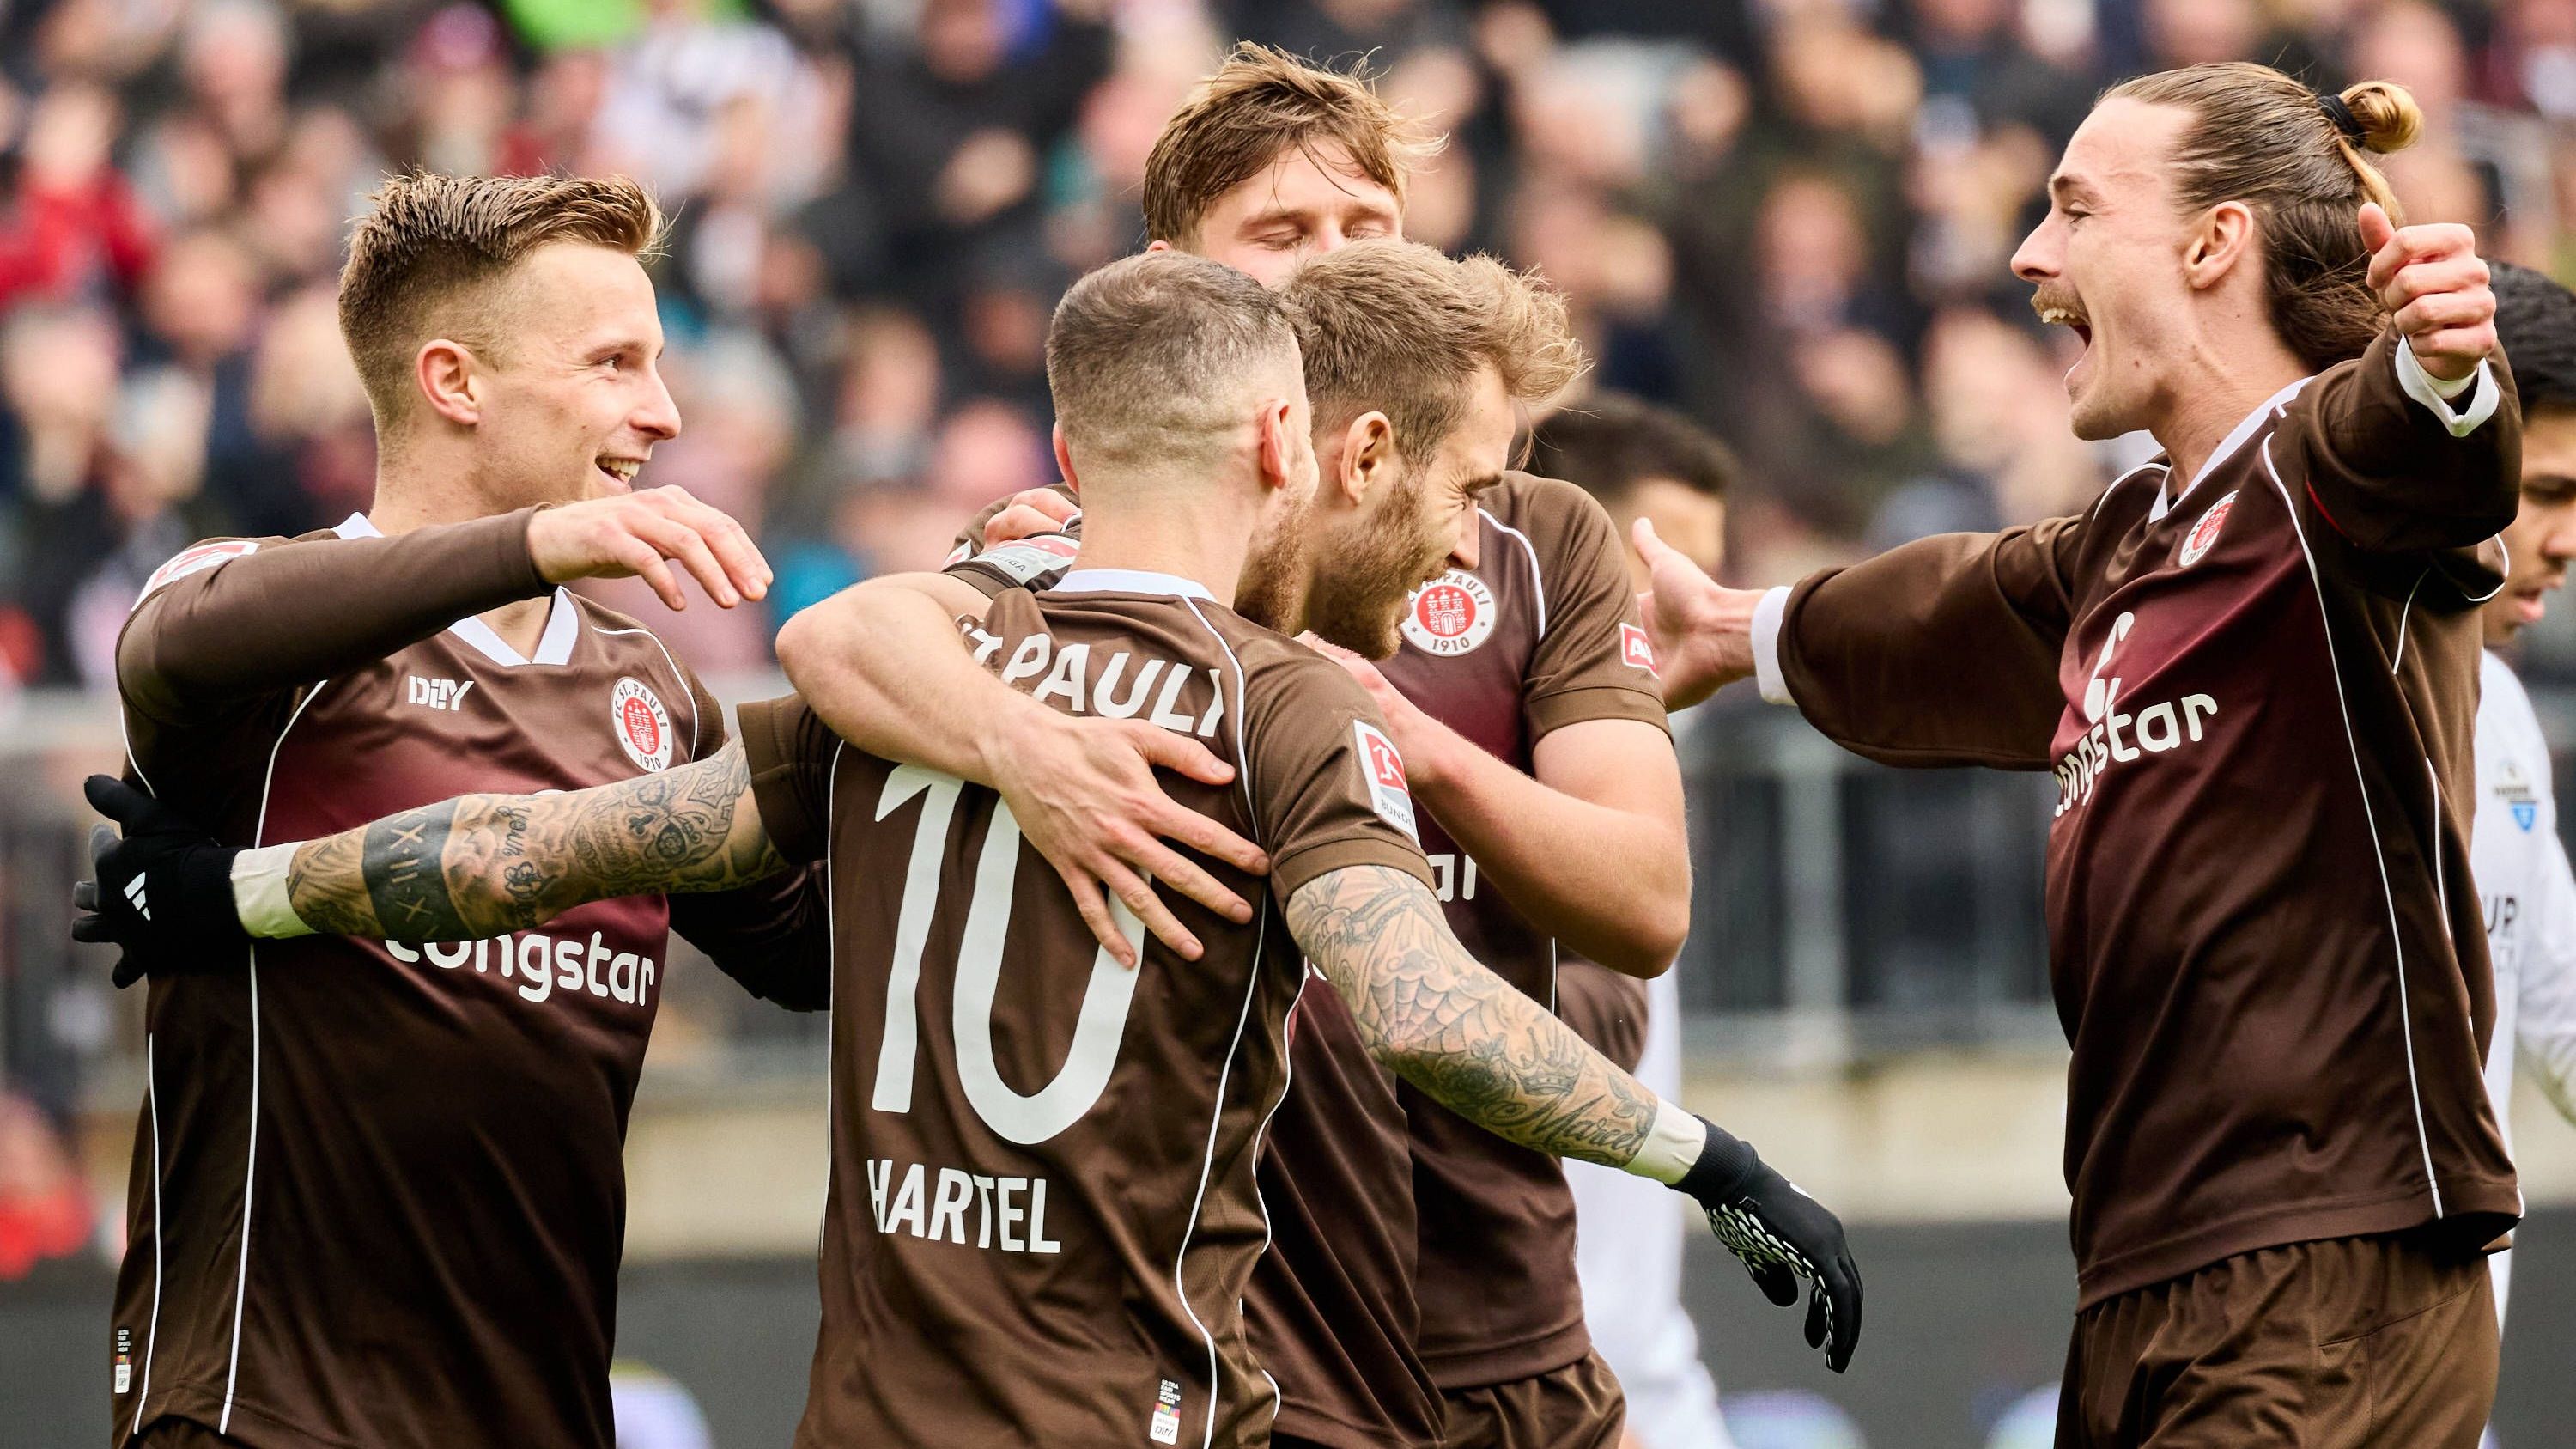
[(480, 865), (1455, 1029)]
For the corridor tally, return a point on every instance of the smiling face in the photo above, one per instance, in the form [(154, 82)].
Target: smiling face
[(1309, 201), (1369, 554), (571, 400), (2542, 541), (2108, 263)]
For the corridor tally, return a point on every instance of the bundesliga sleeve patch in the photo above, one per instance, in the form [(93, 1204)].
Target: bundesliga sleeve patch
[(1636, 649), (1027, 560), (1388, 794), (196, 561)]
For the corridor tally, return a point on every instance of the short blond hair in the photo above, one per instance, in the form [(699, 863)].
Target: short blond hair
[(1258, 106), (428, 241), (1399, 328), (1152, 359)]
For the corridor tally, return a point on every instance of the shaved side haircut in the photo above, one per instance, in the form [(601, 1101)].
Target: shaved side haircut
[(1157, 359)]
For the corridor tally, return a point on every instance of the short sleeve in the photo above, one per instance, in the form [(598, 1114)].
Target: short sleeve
[(1035, 562), (1327, 784), (791, 752), (1593, 660)]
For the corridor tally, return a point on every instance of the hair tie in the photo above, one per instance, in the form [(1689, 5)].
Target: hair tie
[(2343, 118)]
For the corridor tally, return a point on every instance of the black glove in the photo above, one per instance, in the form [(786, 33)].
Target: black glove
[(164, 892), (1780, 1235)]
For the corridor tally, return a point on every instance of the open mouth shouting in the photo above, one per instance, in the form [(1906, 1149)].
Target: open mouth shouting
[(2061, 311)]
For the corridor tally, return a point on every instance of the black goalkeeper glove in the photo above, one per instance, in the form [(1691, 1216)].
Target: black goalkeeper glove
[(163, 892), (1780, 1235)]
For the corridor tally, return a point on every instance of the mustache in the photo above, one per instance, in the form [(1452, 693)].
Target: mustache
[(2054, 298)]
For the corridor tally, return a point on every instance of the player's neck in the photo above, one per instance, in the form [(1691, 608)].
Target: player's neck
[(1189, 543), (2229, 377), (406, 499)]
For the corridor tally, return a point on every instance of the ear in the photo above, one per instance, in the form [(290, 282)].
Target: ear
[(1158, 245), (1275, 443), (445, 372), (1064, 460), (1367, 459), (2225, 238)]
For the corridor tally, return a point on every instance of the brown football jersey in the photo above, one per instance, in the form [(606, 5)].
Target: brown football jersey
[(1543, 633), (377, 1193), (1043, 1209), (2258, 689)]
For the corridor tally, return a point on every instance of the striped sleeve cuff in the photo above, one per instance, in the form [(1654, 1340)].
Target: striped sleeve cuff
[(2438, 396), (1766, 646)]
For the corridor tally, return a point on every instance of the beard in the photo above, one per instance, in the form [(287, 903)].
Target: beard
[(1360, 601), (1272, 589)]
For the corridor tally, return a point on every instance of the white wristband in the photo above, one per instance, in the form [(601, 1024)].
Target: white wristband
[(1672, 1146), (1767, 617), (259, 892)]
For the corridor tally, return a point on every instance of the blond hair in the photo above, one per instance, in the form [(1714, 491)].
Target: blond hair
[(1400, 328), (1152, 359), (428, 242), (1258, 106), (2259, 137)]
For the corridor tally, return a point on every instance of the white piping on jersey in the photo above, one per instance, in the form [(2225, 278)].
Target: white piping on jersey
[(831, 986), (563, 621), (2504, 574), (2370, 820), (2441, 877), (1130, 581), (250, 1159), (1538, 581), (1251, 988), (2235, 439), (152, 1334), (675, 674), (2405, 616), (2155, 511)]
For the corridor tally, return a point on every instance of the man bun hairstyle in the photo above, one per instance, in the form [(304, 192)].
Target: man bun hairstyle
[(1401, 328), (1258, 106), (2536, 322), (1153, 359), (2259, 137), (425, 257)]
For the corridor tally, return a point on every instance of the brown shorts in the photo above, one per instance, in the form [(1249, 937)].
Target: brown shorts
[(2380, 1341), (1576, 1407)]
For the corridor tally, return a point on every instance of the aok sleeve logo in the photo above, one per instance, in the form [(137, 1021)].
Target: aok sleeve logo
[(196, 561)]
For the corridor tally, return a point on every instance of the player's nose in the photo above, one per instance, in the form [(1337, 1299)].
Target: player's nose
[(2038, 257), (658, 416), (1468, 546)]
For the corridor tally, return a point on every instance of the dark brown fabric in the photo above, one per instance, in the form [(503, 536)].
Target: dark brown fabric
[(2351, 1343), (377, 1192), (2260, 707), (953, 1325), (1605, 1008), (180, 1434), (1578, 1406), (1531, 643)]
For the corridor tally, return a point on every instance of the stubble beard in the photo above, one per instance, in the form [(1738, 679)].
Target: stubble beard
[(1360, 603)]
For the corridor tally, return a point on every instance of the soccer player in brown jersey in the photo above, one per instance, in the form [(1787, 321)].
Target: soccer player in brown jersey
[(1044, 1211), (381, 1204), (2253, 666), (1521, 691)]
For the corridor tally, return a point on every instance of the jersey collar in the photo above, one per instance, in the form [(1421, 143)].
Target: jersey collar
[(2228, 445), (563, 622), (1130, 581)]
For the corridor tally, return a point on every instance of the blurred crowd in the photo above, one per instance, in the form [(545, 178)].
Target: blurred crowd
[(1789, 218)]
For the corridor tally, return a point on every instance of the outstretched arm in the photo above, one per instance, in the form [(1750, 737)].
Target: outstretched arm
[(1443, 1022), (481, 865)]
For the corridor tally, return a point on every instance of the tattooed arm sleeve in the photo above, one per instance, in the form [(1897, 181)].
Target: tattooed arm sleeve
[(482, 865), (1443, 1022)]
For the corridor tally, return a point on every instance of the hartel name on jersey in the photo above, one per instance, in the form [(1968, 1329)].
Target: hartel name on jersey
[(538, 963), (1114, 686), (1008, 1212)]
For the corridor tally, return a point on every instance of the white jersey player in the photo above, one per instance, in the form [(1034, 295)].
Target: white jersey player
[(2515, 853)]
